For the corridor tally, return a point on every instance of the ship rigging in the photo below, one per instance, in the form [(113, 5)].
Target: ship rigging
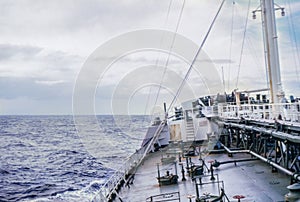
[(210, 132)]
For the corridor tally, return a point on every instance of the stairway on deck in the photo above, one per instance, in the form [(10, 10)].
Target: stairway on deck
[(189, 128)]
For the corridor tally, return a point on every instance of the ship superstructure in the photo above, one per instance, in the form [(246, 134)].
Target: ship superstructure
[(242, 146)]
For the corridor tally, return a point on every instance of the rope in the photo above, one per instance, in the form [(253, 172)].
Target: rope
[(158, 58), (256, 59), (243, 43), (230, 47), (295, 43), (195, 58), (168, 58)]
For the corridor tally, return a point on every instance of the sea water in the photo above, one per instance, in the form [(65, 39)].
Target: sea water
[(43, 158)]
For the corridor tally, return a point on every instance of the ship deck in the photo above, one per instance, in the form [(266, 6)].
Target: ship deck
[(252, 179)]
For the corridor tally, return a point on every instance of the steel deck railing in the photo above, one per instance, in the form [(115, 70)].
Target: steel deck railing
[(110, 186), (288, 112)]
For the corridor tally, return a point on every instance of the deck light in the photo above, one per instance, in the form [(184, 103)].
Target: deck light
[(254, 15), (282, 12)]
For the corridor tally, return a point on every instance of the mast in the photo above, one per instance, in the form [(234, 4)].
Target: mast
[(272, 55)]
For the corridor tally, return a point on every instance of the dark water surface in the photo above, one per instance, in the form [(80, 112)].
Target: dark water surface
[(42, 158)]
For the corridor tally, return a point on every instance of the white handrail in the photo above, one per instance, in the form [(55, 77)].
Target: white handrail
[(287, 112)]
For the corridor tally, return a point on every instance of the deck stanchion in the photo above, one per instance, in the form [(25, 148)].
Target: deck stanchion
[(187, 165), (197, 191), (212, 170), (158, 173), (175, 168), (182, 171)]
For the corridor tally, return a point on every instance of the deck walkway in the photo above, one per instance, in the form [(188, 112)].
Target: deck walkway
[(253, 179)]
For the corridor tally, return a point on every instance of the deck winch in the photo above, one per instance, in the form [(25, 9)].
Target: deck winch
[(294, 193), (168, 178)]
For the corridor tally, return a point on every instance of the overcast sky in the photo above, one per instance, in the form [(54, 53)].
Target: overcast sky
[(44, 44)]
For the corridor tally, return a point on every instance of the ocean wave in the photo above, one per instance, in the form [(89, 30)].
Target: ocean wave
[(44, 159)]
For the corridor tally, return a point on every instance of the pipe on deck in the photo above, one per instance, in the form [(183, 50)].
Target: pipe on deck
[(272, 132), (218, 163), (295, 176)]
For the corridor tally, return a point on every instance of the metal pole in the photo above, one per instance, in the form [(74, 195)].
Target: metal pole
[(187, 165), (197, 191), (270, 32), (175, 168), (182, 171), (158, 173)]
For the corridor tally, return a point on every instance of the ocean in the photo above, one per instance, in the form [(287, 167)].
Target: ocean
[(43, 158)]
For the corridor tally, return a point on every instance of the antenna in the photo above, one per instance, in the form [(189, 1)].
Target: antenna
[(223, 79)]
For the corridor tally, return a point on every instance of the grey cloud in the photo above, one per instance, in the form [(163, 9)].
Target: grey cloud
[(62, 60), (51, 17), (8, 51), (12, 88), (220, 61), (39, 62)]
